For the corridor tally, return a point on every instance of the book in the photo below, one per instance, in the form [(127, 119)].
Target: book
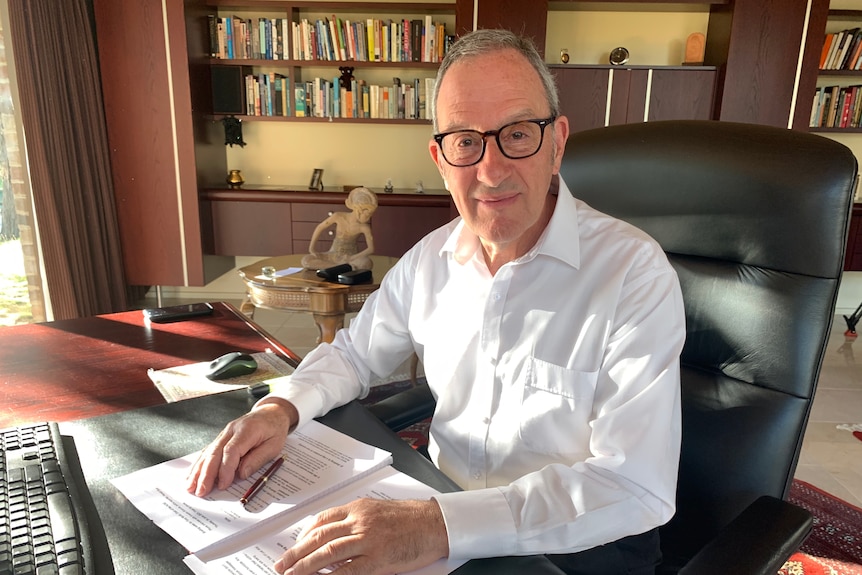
[(322, 467), (299, 98)]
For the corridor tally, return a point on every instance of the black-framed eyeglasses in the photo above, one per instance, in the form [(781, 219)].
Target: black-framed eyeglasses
[(517, 140)]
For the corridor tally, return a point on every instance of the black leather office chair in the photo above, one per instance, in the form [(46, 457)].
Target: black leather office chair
[(754, 219)]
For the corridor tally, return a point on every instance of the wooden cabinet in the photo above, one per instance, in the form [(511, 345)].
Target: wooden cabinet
[(853, 254), (765, 50), (596, 96), (527, 18), (159, 149), (274, 222)]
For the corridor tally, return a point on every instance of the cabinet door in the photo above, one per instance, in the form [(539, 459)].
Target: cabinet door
[(662, 94), (636, 94), (681, 95), (583, 96), (853, 252), (397, 228), (251, 228), (306, 218)]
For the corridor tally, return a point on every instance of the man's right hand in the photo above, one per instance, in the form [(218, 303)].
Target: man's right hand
[(243, 446)]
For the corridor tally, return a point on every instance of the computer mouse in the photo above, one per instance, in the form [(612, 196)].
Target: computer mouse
[(231, 364)]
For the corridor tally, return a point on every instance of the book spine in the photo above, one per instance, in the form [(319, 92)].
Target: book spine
[(212, 27)]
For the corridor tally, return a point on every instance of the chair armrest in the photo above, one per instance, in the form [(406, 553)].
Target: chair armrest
[(406, 408), (758, 541)]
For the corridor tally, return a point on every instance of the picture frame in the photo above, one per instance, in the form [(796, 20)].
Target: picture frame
[(316, 179)]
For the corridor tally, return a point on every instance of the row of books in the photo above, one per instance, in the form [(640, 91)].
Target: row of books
[(250, 38), (842, 50), (267, 95), (372, 40), (837, 107), (324, 98)]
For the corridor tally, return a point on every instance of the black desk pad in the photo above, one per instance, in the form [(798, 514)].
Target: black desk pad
[(113, 445)]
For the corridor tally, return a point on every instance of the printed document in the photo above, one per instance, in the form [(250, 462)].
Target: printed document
[(318, 461), (255, 555)]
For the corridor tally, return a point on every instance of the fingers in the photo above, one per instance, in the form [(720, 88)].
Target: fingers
[(368, 536), (239, 450), (318, 547)]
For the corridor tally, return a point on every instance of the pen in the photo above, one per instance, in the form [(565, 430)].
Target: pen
[(257, 486)]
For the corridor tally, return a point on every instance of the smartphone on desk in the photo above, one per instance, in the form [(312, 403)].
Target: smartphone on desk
[(177, 312)]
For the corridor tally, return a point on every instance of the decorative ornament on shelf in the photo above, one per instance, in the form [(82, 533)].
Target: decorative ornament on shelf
[(346, 77), (232, 131), (235, 179), (564, 55), (388, 189), (618, 56), (694, 49)]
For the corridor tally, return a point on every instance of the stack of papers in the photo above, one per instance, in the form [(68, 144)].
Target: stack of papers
[(323, 468)]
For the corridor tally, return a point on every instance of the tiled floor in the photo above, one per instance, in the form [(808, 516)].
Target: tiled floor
[(831, 458)]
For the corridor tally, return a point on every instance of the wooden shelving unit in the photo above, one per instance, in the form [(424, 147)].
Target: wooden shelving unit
[(295, 12)]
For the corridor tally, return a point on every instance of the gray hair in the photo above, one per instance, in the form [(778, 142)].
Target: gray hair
[(487, 41)]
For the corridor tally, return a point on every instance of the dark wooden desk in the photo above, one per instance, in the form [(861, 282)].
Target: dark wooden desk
[(90, 374), (71, 369)]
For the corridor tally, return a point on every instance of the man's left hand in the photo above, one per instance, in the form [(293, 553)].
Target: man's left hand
[(369, 537)]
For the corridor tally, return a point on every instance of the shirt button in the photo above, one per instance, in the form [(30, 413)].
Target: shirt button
[(497, 297), (486, 420)]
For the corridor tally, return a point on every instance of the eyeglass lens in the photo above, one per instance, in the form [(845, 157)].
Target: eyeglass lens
[(517, 140)]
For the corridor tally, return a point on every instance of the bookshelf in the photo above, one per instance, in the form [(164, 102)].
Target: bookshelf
[(393, 48), (168, 148), (837, 20), (837, 86)]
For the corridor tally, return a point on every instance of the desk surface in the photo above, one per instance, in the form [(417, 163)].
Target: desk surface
[(114, 445), (90, 375), (70, 369)]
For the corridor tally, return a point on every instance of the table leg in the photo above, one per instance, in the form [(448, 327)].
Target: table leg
[(328, 325), (247, 307)]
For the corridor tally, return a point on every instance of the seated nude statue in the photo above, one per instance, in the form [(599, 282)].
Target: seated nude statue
[(348, 227)]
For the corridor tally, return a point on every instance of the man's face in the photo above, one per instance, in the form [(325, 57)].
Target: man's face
[(500, 199)]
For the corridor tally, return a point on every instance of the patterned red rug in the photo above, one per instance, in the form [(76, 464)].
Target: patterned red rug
[(835, 544), (833, 548)]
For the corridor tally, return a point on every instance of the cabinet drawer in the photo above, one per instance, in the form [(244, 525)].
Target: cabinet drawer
[(304, 231), (315, 212), (301, 246), (251, 228)]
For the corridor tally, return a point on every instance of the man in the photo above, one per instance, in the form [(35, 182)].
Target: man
[(550, 336)]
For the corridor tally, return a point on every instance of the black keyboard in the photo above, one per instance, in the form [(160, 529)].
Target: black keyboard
[(43, 523)]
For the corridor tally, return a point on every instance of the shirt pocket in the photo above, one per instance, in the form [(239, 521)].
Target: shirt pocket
[(556, 408)]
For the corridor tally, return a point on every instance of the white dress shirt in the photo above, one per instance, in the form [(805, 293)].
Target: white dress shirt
[(557, 380)]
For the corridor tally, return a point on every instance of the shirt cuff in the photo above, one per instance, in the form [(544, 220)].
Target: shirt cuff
[(478, 523), (306, 400)]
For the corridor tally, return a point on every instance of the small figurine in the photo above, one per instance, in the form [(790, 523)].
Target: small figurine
[(362, 203), (388, 189), (420, 189)]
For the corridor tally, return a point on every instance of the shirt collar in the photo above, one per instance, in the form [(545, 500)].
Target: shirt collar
[(559, 240)]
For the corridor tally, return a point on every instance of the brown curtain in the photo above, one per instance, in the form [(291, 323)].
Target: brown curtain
[(66, 141)]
